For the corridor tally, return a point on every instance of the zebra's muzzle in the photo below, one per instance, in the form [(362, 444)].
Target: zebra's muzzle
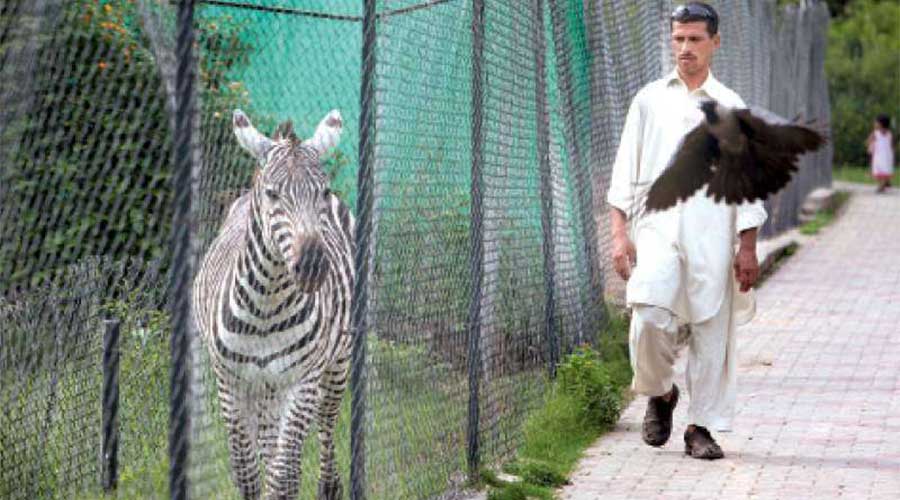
[(312, 266)]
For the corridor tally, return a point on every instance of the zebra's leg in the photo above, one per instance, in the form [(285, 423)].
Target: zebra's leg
[(268, 411), (332, 387), (241, 425), (298, 410)]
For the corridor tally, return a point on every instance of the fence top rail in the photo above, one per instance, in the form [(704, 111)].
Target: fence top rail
[(317, 14)]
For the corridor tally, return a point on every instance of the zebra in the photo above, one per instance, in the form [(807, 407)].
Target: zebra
[(272, 303)]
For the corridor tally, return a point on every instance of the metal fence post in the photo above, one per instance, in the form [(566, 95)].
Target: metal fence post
[(476, 256), (543, 151), (182, 255), (364, 228), (110, 412)]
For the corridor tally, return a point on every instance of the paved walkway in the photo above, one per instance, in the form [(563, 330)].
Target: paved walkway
[(818, 412)]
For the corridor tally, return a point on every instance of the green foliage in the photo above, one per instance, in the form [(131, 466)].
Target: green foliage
[(863, 74), (835, 7), (587, 380), (537, 472), (862, 175), (422, 257), (790, 249), (586, 400), (50, 384), (825, 217), (520, 491), (838, 7), (93, 141), (145, 362), (91, 174), (821, 220), (51, 419), (334, 165), (613, 349), (517, 490)]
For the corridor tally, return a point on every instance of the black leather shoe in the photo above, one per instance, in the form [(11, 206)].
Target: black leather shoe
[(658, 419), (699, 443)]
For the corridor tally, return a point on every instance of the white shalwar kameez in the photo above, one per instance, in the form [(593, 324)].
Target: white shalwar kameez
[(684, 270)]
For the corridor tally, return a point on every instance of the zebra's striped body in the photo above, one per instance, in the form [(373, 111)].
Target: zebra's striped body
[(272, 302)]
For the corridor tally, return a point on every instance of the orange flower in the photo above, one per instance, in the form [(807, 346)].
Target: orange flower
[(112, 26), (102, 64)]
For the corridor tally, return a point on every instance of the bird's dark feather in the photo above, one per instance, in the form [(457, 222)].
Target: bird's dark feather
[(788, 138), (688, 171), (736, 179), (762, 169)]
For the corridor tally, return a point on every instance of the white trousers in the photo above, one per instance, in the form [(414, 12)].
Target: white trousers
[(710, 373)]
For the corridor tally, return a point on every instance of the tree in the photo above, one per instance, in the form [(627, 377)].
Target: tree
[(863, 68), (838, 7)]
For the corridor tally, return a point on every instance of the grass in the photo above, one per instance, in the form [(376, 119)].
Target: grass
[(63, 465), (780, 259), (824, 217), (416, 436), (418, 410), (585, 401), (50, 388), (860, 175)]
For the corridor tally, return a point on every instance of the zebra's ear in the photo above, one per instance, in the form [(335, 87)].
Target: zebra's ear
[(328, 133), (248, 137)]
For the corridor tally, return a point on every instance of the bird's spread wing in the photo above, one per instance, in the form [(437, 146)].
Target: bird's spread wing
[(782, 138), (689, 170), (771, 158)]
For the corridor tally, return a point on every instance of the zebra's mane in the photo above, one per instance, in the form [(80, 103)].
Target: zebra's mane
[(286, 131)]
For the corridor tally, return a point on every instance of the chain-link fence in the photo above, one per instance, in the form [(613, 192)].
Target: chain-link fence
[(478, 137)]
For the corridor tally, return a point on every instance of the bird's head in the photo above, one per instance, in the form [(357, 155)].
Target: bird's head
[(710, 109)]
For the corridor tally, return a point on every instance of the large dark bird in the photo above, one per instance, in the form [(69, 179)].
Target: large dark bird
[(739, 155)]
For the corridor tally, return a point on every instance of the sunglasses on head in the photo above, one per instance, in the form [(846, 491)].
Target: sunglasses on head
[(692, 10)]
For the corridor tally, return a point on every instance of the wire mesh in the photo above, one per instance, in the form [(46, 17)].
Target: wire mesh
[(633, 41), (481, 210), (798, 87), (85, 212), (51, 352)]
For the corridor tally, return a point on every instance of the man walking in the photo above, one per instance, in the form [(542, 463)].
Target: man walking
[(681, 266)]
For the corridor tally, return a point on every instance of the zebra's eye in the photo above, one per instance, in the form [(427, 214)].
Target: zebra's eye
[(271, 194), (326, 193)]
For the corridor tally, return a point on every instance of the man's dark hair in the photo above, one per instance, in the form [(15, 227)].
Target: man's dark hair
[(692, 12), (884, 120)]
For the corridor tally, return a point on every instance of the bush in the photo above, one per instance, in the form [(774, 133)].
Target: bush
[(587, 397), (589, 381)]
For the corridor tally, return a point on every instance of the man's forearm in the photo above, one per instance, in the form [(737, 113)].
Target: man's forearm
[(618, 222), (748, 239)]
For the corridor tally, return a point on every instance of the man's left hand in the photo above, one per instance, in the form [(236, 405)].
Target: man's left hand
[(746, 268)]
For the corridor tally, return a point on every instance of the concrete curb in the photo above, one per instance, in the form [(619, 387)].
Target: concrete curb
[(816, 201)]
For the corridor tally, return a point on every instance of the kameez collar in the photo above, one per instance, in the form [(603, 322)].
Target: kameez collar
[(710, 86)]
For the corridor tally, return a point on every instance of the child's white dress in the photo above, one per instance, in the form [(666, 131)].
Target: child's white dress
[(882, 154)]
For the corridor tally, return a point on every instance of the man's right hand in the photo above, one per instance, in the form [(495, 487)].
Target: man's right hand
[(624, 256)]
